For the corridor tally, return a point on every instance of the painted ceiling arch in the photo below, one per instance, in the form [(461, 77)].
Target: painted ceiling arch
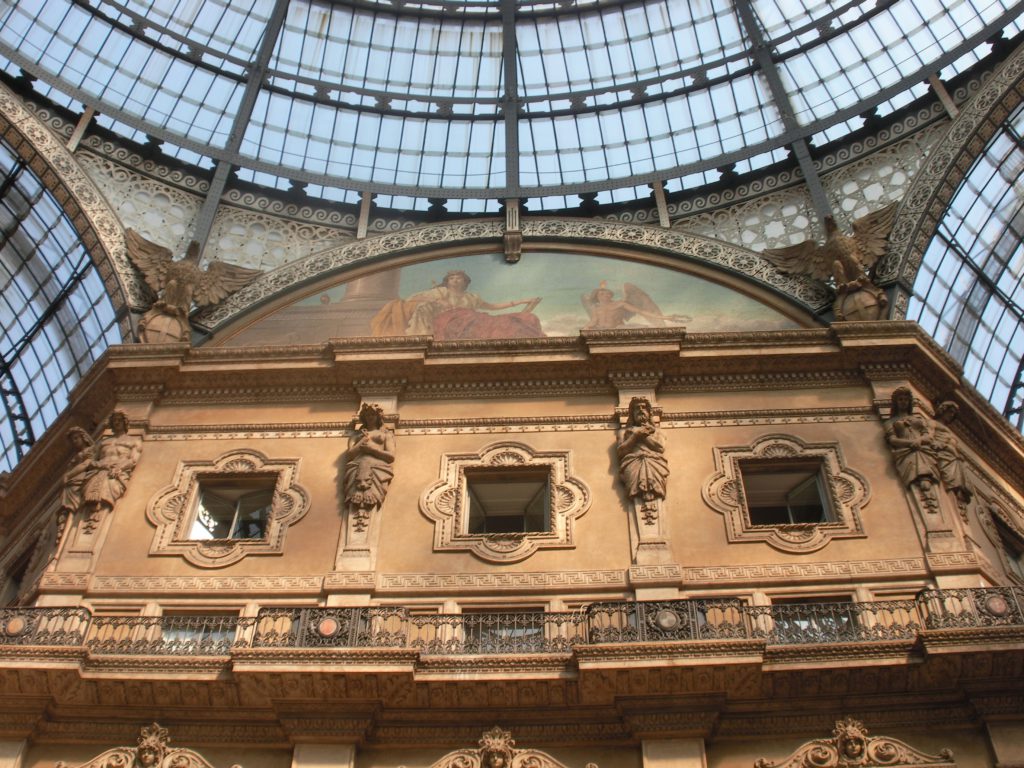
[(672, 247), (470, 292)]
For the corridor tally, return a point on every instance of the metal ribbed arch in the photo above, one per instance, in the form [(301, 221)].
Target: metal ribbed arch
[(55, 315)]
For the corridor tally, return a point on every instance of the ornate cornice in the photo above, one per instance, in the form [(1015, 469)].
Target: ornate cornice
[(180, 585)]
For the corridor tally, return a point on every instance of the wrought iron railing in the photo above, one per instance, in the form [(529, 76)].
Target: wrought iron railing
[(43, 626), (515, 632), (984, 607), (174, 635)]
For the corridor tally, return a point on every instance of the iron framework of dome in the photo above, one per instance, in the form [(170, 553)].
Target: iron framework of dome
[(457, 108)]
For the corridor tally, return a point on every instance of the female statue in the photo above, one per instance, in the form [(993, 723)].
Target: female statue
[(368, 470)]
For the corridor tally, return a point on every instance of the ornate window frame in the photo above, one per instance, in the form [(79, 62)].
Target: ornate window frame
[(172, 508), (848, 493), (445, 503)]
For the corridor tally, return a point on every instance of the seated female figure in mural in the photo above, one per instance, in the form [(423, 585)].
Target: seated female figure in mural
[(449, 311)]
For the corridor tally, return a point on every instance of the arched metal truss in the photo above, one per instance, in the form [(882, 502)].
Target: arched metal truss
[(55, 315)]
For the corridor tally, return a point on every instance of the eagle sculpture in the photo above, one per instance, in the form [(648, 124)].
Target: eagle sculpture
[(847, 259), (179, 285)]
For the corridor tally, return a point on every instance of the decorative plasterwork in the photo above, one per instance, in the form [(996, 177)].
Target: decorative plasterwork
[(445, 502), (851, 747), (692, 247), (172, 509), (933, 187), (497, 750), (432, 583), (848, 490), (784, 573), (153, 752)]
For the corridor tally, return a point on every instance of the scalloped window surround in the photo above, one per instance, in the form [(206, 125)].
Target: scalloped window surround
[(447, 501), (844, 492), (175, 508)]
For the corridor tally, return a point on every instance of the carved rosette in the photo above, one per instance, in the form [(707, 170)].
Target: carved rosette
[(848, 493), (851, 747), (446, 503), (172, 509)]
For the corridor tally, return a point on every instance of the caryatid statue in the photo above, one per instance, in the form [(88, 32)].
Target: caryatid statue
[(642, 463), (368, 466)]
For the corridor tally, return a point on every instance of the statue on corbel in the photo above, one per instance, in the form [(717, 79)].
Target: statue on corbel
[(642, 463), (99, 473), (927, 453), (497, 750), (153, 751), (851, 747), (848, 260), (369, 470), (178, 285)]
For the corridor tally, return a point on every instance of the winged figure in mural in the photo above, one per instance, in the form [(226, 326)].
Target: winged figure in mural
[(605, 311), (179, 285), (845, 258)]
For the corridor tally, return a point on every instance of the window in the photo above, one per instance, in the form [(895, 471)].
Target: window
[(1014, 552), (784, 494), (216, 512), (508, 500), (791, 495), (505, 502), (233, 509), (17, 572)]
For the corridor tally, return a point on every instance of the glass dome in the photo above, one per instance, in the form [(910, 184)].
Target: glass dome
[(492, 99)]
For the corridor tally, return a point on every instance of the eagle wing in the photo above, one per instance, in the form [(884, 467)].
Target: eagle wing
[(872, 233), (150, 259), (639, 299), (219, 281), (806, 258)]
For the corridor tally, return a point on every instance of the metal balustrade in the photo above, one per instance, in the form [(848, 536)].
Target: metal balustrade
[(516, 632)]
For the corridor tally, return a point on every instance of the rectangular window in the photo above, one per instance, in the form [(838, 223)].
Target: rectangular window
[(1014, 550), (508, 500), (784, 493), (233, 508)]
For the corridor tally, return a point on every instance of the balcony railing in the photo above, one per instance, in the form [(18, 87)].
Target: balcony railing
[(516, 632)]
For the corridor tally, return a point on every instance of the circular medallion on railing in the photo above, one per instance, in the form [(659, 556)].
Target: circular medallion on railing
[(15, 626), (666, 620), (996, 605), (327, 627)]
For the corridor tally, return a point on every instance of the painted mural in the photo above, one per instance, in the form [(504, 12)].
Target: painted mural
[(483, 297)]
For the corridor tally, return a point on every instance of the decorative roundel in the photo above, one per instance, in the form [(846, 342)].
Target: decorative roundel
[(15, 626), (328, 627), (666, 619), (996, 605)]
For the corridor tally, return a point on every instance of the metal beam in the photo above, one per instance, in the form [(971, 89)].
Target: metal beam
[(510, 100), (257, 74), (766, 61)]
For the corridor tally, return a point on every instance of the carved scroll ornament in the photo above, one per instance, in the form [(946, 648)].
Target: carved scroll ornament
[(153, 751), (851, 747), (497, 750)]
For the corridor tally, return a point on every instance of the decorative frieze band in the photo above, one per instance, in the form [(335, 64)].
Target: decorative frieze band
[(518, 582), (304, 585), (766, 573)]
